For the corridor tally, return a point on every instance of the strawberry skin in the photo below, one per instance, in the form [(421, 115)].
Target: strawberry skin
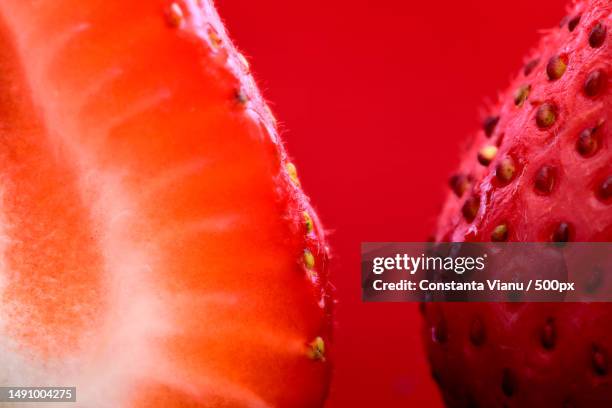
[(157, 249), (540, 169)]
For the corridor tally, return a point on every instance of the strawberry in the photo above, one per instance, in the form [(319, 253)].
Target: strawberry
[(157, 249), (539, 170)]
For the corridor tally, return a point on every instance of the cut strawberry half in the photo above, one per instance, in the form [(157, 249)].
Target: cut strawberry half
[(156, 247)]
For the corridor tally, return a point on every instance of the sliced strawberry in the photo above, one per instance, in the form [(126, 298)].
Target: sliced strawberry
[(156, 248)]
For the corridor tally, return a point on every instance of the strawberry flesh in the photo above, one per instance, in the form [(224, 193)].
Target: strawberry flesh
[(153, 241)]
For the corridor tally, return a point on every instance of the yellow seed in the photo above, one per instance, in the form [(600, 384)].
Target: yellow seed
[(309, 259), (214, 38), (521, 94), (308, 222), (292, 171), (505, 170), (244, 62), (487, 154), (500, 233), (174, 16), (316, 349), (546, 115), (556, 67)]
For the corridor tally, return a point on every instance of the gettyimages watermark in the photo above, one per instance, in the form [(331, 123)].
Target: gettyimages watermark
[(487, 272)]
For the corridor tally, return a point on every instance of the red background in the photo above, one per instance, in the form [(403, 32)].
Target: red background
[(374, 98)]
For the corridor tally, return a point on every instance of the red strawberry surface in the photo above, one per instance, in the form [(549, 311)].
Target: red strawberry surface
[(539, 170), (156, 249)]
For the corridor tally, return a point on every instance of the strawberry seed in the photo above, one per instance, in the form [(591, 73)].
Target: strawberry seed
[(595, 83), (470, 208), (308, 224), (309, 259), (439, 332), (605, 189), (486, 155), (478, 333), (571, 25), (316, 349), (530, 66), (597, 35), (460, 183), (561, 233), (546, 115), (549, 335), (174, 16), (599, 361), (509, 382), (521, 95), (545, 180), (587, 143), (505, 170), (500, 233), (489, 124), (556, 67)]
